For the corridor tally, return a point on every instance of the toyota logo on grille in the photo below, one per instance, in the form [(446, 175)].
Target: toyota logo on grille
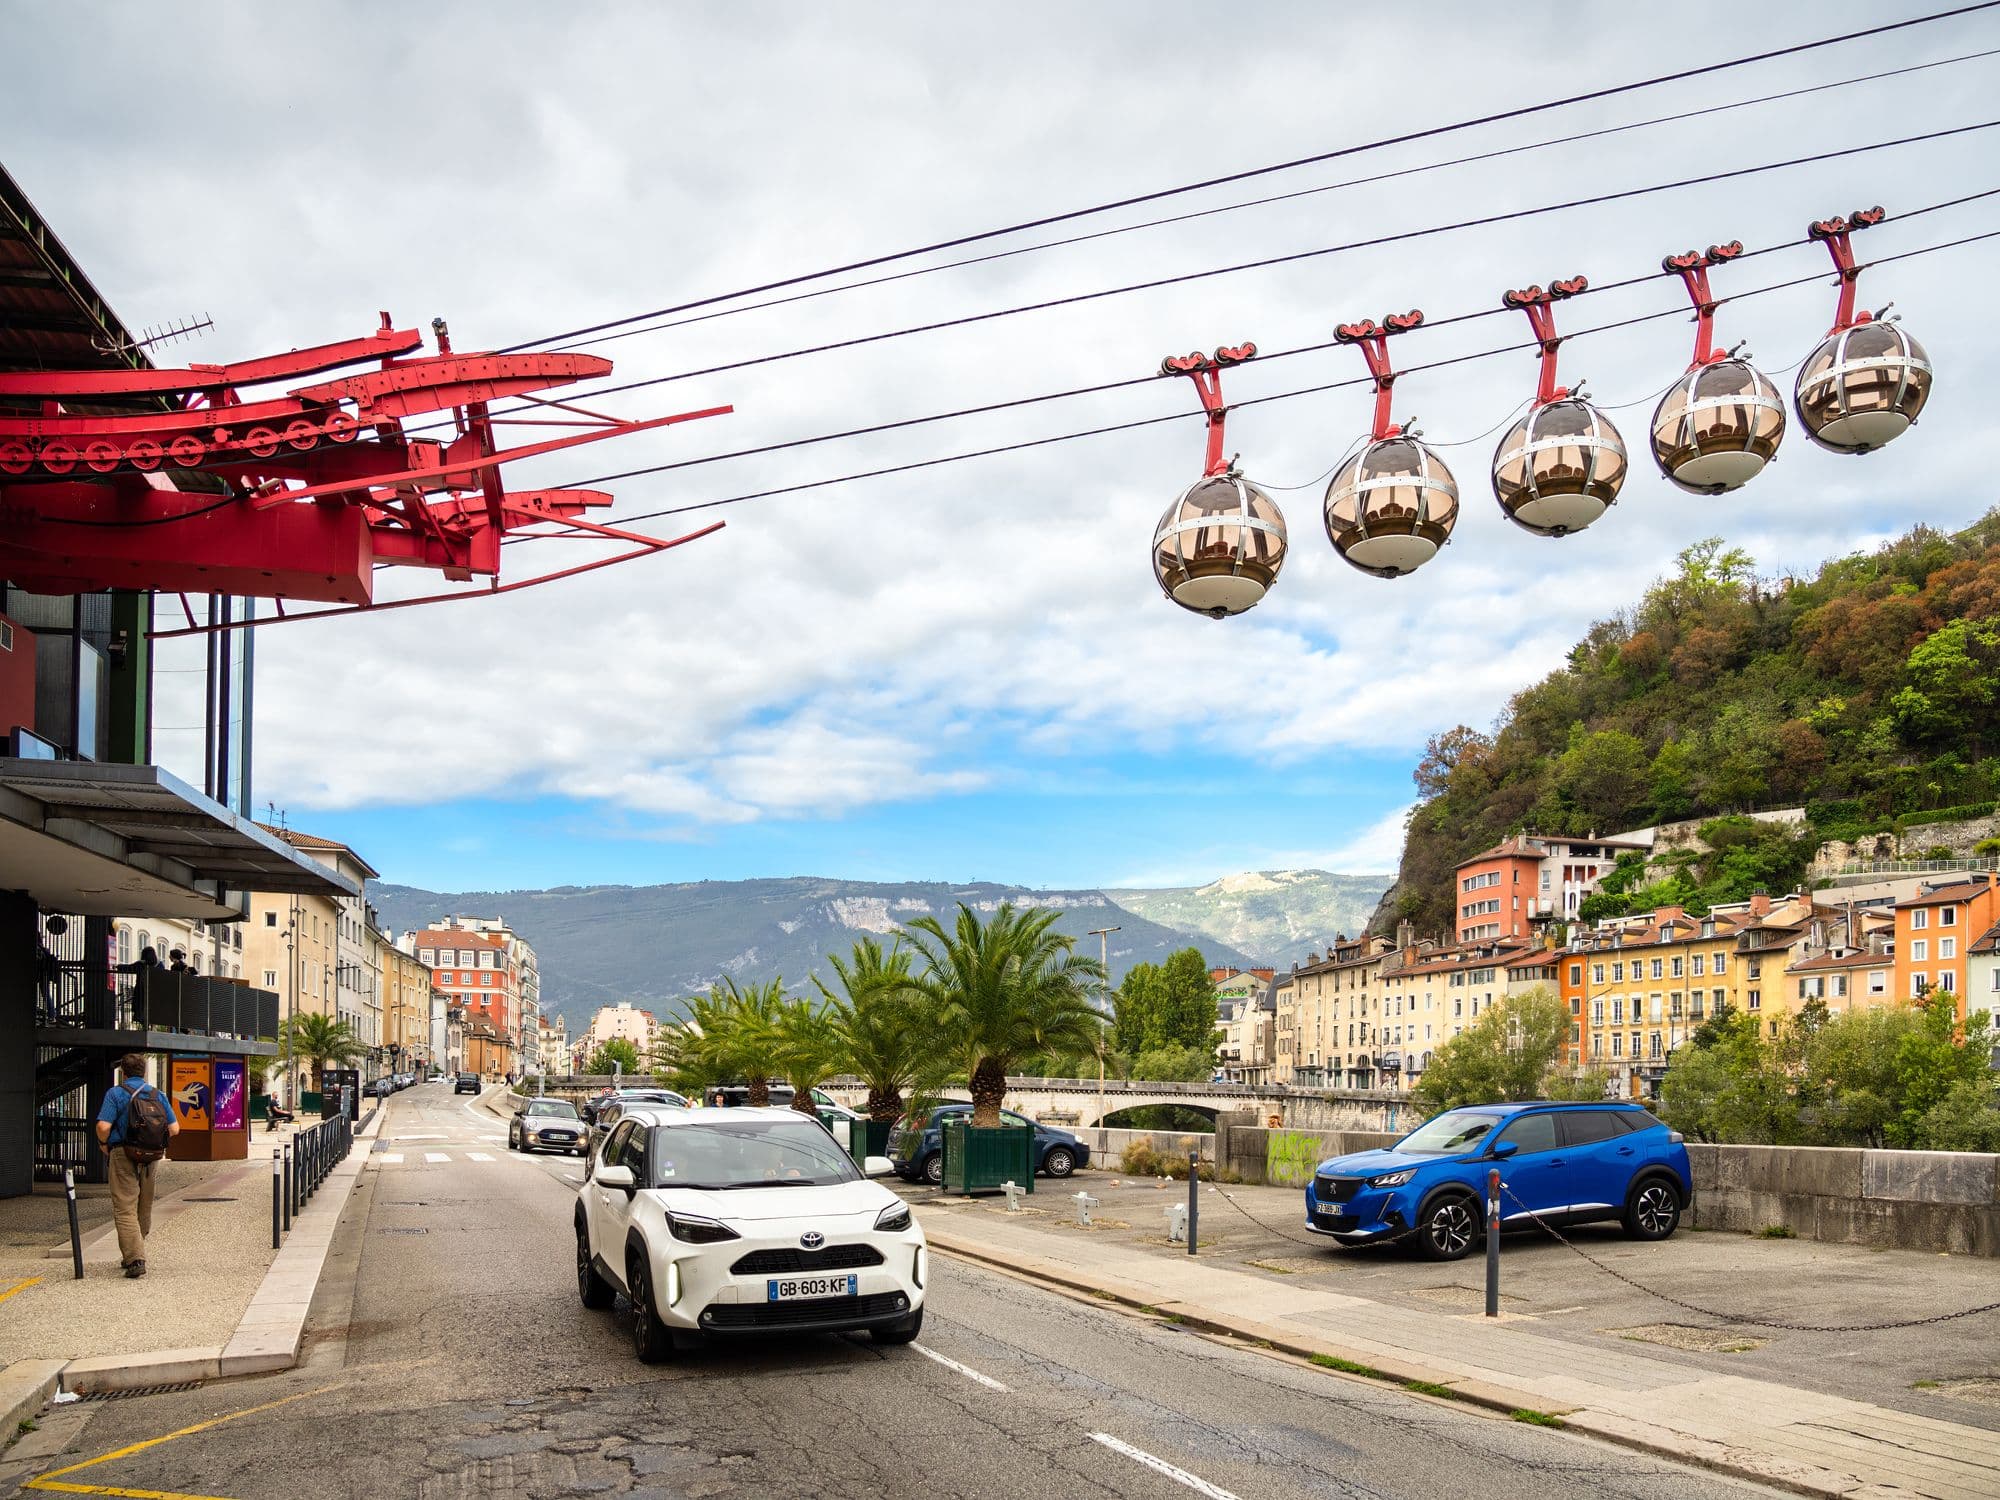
[(812, 1239)]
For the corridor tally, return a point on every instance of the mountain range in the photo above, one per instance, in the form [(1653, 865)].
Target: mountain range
[(656, 944)]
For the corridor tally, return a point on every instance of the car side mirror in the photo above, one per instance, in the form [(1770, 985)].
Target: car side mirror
[(879, 1166), (1503, 1149), (616, 1177)]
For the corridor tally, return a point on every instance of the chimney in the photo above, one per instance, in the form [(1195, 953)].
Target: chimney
[(1406, 933), (1760, 903), (1668, 914)]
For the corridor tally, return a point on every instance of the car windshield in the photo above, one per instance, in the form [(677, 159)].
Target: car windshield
[(1459, 1130), (749, 1154), (561, 1108)]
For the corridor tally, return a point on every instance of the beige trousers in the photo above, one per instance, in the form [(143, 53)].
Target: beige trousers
[(131, 1204)]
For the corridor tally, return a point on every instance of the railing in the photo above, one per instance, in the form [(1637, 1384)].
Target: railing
[(1915, 866), (82, 995), (300, 1167), (66, 1141)]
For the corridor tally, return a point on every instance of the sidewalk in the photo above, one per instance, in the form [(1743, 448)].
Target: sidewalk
[(1773, 1431), (216, 1299)]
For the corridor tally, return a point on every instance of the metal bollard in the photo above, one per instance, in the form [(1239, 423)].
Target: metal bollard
[(1084, 1204), (277, 1195), (1176, 1223), (287, 1149), (1492, 1242), (1013, 1192), (1194, 1198), (75, 1234)]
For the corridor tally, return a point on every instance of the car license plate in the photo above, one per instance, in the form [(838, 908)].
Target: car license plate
[(794, 1288)]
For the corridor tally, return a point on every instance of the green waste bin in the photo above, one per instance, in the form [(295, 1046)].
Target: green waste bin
[(984, 1160), (866, 1138)]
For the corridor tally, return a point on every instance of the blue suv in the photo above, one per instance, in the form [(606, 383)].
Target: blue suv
[(919, 1154), (1570, 1163)]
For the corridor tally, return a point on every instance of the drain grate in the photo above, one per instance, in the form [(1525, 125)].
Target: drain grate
[(143, 1390), (208, 1200), (401, 1229)]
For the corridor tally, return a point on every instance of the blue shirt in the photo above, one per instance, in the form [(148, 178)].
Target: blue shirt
[(117, 1107)]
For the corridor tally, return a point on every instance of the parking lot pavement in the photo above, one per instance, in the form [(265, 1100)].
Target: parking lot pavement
[(1948, 1370)]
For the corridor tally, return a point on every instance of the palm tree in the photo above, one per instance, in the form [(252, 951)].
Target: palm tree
[(323, 1041), (1004, 990), (887, 1024), (809, 1047), (732, 1032)]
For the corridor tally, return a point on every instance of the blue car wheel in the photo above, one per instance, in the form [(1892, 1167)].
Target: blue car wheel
[(1448, 1226)]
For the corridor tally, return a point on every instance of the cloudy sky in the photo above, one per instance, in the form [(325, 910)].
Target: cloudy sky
[(967, 671)]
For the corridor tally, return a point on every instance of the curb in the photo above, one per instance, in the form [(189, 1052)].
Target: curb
[(1775, 1472), (25, 1388)]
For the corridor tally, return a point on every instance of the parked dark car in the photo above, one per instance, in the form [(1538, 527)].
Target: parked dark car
[(468, 1083), (612, 1109), (736, 1095), (1563, 1163), (919, 1154)]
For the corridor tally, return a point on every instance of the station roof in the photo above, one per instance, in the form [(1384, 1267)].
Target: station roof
[(51, 316), (132, 841)]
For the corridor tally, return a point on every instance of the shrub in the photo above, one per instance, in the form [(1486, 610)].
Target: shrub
[(1143, 1159)]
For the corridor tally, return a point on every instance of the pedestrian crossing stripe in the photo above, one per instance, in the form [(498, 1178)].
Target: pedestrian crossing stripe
[(393, 1157), (435, 1156), (478, 1156)]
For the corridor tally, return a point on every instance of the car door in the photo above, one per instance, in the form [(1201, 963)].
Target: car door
[(1602, 1156), (611, 1207), (1536, 1176)]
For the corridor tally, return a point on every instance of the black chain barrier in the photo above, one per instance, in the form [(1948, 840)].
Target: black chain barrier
[(1709, 1312), (1317, 1244)]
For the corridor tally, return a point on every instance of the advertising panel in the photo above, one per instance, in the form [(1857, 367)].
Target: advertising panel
[(231, 1098), (191, 1085)]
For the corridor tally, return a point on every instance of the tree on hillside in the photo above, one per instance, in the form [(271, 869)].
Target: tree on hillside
[(1006, 988), (618, 1050), (1510, 1052)]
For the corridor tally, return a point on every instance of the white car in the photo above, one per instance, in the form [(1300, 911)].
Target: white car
[(743, 1221)]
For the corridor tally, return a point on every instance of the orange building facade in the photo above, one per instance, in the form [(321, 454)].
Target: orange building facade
[(472, 970), (1496, 891), (1935, 931)]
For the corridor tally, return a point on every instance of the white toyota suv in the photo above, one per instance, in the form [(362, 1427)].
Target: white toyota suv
[(746, 1221)]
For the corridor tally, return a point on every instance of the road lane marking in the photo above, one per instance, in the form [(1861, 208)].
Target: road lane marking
[(435, 1156), (951, 1364), (1160, 1466), (20, 1286), (53, 1479), (394, 1158), (477, 1156)]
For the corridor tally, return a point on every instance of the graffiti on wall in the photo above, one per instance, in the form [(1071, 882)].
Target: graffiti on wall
[(1291, 1155)]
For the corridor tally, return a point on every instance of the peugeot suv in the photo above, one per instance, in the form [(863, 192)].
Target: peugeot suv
[(743, 1221), (1558, 1163)]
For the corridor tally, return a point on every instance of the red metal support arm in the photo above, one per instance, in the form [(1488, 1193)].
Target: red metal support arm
[(1692, 268), (1539, 306), (1373, 340), (1206, 373), (1834, 234)]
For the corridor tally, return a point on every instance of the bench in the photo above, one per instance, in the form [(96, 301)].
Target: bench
[(276, 1114)]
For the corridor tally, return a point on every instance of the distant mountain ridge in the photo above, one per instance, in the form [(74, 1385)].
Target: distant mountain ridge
[(657, 944), (1279, 915)]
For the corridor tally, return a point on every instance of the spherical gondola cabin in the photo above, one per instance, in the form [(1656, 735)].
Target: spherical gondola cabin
[(1862, 387), (1717, 427), (1391, 507), (1559, 468), (1219, 547)]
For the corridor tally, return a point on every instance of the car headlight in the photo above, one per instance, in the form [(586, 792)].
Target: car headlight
[(894, 1219), (1393, 1179), (692, 1229)]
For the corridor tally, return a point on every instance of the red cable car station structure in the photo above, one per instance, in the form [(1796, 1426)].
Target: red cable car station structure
[(177, 480)]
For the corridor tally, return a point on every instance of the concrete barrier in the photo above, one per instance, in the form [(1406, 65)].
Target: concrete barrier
[(1903, 1200), (1286, 1158)]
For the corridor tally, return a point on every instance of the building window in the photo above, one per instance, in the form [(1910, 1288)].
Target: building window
[(1878, 981), (1699, 959), (1721, 964), (1656, 969), (1618, 1010), (1576, 973), (1675, 1006), (1617, 972), (1948, 916), (1840, 985), (1919, 920), (1918, 982), (1597, 1006), (1920, 950), (1597, 973), (1694, 1010), (1947, 981), (1756, 999), (1947, 947), (1617, 1044), (1675, 970), (1653, 1045)]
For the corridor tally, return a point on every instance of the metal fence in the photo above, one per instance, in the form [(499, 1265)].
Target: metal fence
[(76, 994), (65, 1141)]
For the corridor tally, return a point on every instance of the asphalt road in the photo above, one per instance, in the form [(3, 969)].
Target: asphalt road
[(451, 1357)]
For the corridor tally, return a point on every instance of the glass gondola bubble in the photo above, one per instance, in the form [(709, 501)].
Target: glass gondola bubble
[(1559, 467), (1391, 506), (1868, 380), (1721, 422)]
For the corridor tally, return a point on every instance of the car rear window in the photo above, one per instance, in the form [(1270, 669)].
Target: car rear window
[(1585, 1127)]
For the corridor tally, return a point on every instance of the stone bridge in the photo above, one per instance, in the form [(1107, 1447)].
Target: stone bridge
[(1085, 1102)]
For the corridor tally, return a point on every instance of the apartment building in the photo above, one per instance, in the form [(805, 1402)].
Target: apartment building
[(623, 1021), (474, 972), (524, 1010), (311, 950), (1936, 927), (407, 1011), (1531, 878)]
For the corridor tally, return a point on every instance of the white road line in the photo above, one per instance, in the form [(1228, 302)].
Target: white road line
[(388, 1158), (435, 1156), (477, 1156), (951, 1364), (1161, 1466), (434, 1137)]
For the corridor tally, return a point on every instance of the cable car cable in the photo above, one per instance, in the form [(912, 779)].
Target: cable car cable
[(1427, 133), (1203, 213)]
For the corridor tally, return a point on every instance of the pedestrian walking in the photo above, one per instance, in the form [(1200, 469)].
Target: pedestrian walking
[(134, 1125)]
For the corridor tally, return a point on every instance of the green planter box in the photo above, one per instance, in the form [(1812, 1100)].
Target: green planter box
[(983, 1161), (868, 1138)]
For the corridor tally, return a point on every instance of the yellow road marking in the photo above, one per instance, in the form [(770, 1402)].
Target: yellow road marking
[(53, 1479), (20, 1286)]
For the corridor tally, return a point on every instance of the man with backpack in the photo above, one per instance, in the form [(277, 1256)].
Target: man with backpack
[(134, 1126)]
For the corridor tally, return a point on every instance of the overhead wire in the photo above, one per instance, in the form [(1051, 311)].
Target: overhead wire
[(1158, 195), (1328, 187), (1143, 422)]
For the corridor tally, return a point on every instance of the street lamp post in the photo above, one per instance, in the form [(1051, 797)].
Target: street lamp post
[(1103, 936)]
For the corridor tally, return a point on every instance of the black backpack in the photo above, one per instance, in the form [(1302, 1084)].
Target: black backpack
[(147, 1125)]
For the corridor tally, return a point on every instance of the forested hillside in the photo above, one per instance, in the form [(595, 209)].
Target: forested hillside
[(1870, 693)]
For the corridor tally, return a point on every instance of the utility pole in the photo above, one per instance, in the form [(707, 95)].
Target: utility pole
[(1103, 936)]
